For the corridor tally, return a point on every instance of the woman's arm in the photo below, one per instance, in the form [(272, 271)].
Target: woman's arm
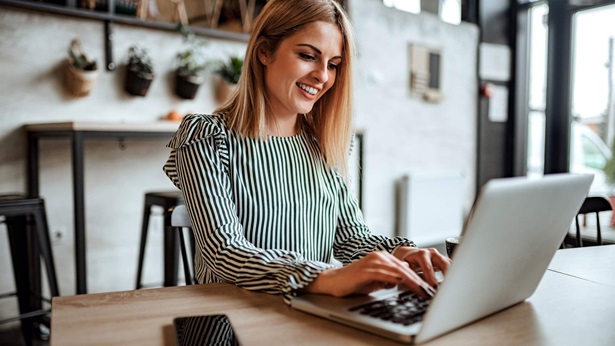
[(369, 264), (203, 176), (353, 239)]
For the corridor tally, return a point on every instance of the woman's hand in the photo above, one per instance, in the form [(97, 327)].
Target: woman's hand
[(424, 261), (376, 271)]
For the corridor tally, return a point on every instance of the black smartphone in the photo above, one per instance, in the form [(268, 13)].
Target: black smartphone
[(205, 330)]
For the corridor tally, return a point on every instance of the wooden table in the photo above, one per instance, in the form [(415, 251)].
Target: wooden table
[(78, 133), (564, 310), (595, 263)]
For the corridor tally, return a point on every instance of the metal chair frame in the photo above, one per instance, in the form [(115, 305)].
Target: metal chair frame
[(179, 221), (592, 204)]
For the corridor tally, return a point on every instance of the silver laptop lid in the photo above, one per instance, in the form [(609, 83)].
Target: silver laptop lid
[(515, 227)]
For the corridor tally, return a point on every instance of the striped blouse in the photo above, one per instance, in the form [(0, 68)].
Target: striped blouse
[(267, 215)]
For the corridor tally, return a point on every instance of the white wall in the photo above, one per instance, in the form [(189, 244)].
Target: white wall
[(401, 133), (33, 48), (404, 134)]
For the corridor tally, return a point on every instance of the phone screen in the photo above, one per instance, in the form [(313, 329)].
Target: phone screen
[(205, 330)]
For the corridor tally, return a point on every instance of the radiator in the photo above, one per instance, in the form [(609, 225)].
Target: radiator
[(430, 207)]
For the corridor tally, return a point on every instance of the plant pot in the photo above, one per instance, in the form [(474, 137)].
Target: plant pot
[(79, 82), (223, 90), (186, 87), (137, 84)]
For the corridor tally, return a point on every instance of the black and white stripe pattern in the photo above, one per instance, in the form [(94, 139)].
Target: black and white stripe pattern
[(267, 214)]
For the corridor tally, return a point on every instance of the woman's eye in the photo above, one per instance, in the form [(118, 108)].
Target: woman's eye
[(332, 66), (306, 56)]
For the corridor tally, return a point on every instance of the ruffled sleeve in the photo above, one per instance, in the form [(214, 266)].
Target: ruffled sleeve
[(195, 128)]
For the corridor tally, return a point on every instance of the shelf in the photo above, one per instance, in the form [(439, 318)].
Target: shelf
[(71, 10)]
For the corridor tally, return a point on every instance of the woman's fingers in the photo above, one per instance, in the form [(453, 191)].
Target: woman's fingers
[(426, 261), (382, 270), (384, 262)]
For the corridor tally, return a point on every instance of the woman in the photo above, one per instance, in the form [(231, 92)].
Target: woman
[(264, 178)]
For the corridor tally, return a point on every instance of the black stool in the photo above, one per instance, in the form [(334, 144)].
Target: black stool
[(28, 234), (167, 200)]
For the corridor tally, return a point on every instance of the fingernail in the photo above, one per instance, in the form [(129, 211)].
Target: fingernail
[(430, 291)]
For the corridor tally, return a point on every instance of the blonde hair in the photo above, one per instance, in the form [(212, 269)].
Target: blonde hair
[(330, 120)]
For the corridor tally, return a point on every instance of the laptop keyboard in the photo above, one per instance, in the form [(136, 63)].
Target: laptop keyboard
[(406, 308)]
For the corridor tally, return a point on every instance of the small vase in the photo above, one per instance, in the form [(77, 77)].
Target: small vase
[(136, 84)]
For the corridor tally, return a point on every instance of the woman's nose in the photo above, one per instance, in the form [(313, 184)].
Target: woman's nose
[(321, 73)]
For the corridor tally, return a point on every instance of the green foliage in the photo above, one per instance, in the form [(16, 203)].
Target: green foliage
[(609, 168), (139, 60), (78, 57), (191, 62), (230, 71)]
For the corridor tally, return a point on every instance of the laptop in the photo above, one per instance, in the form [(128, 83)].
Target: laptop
[(513, 230)]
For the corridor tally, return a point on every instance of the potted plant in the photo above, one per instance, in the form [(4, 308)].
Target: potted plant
[(609, 172), (139, 72), (191, 65), (228, 73), (609, 169), (81, 71)]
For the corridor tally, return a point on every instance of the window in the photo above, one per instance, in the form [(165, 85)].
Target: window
[(412, 6), (448, 10)]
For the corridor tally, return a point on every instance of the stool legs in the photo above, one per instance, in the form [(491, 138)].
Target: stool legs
[(171, 251), (22, 273), (29, 242), (144, 227), (170, 247), (167, 201), (187, 261), (44, 241)]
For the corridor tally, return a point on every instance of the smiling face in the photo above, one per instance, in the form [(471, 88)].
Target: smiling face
[(302, 69)]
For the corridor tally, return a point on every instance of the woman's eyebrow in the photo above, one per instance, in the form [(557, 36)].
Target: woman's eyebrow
[(316, 49)]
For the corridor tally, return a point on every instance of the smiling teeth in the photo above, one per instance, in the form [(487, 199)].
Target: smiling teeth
[(309, 90)]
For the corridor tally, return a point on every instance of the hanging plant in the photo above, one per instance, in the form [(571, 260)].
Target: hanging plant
[(81, 71), (139, 72), (191, 65)]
